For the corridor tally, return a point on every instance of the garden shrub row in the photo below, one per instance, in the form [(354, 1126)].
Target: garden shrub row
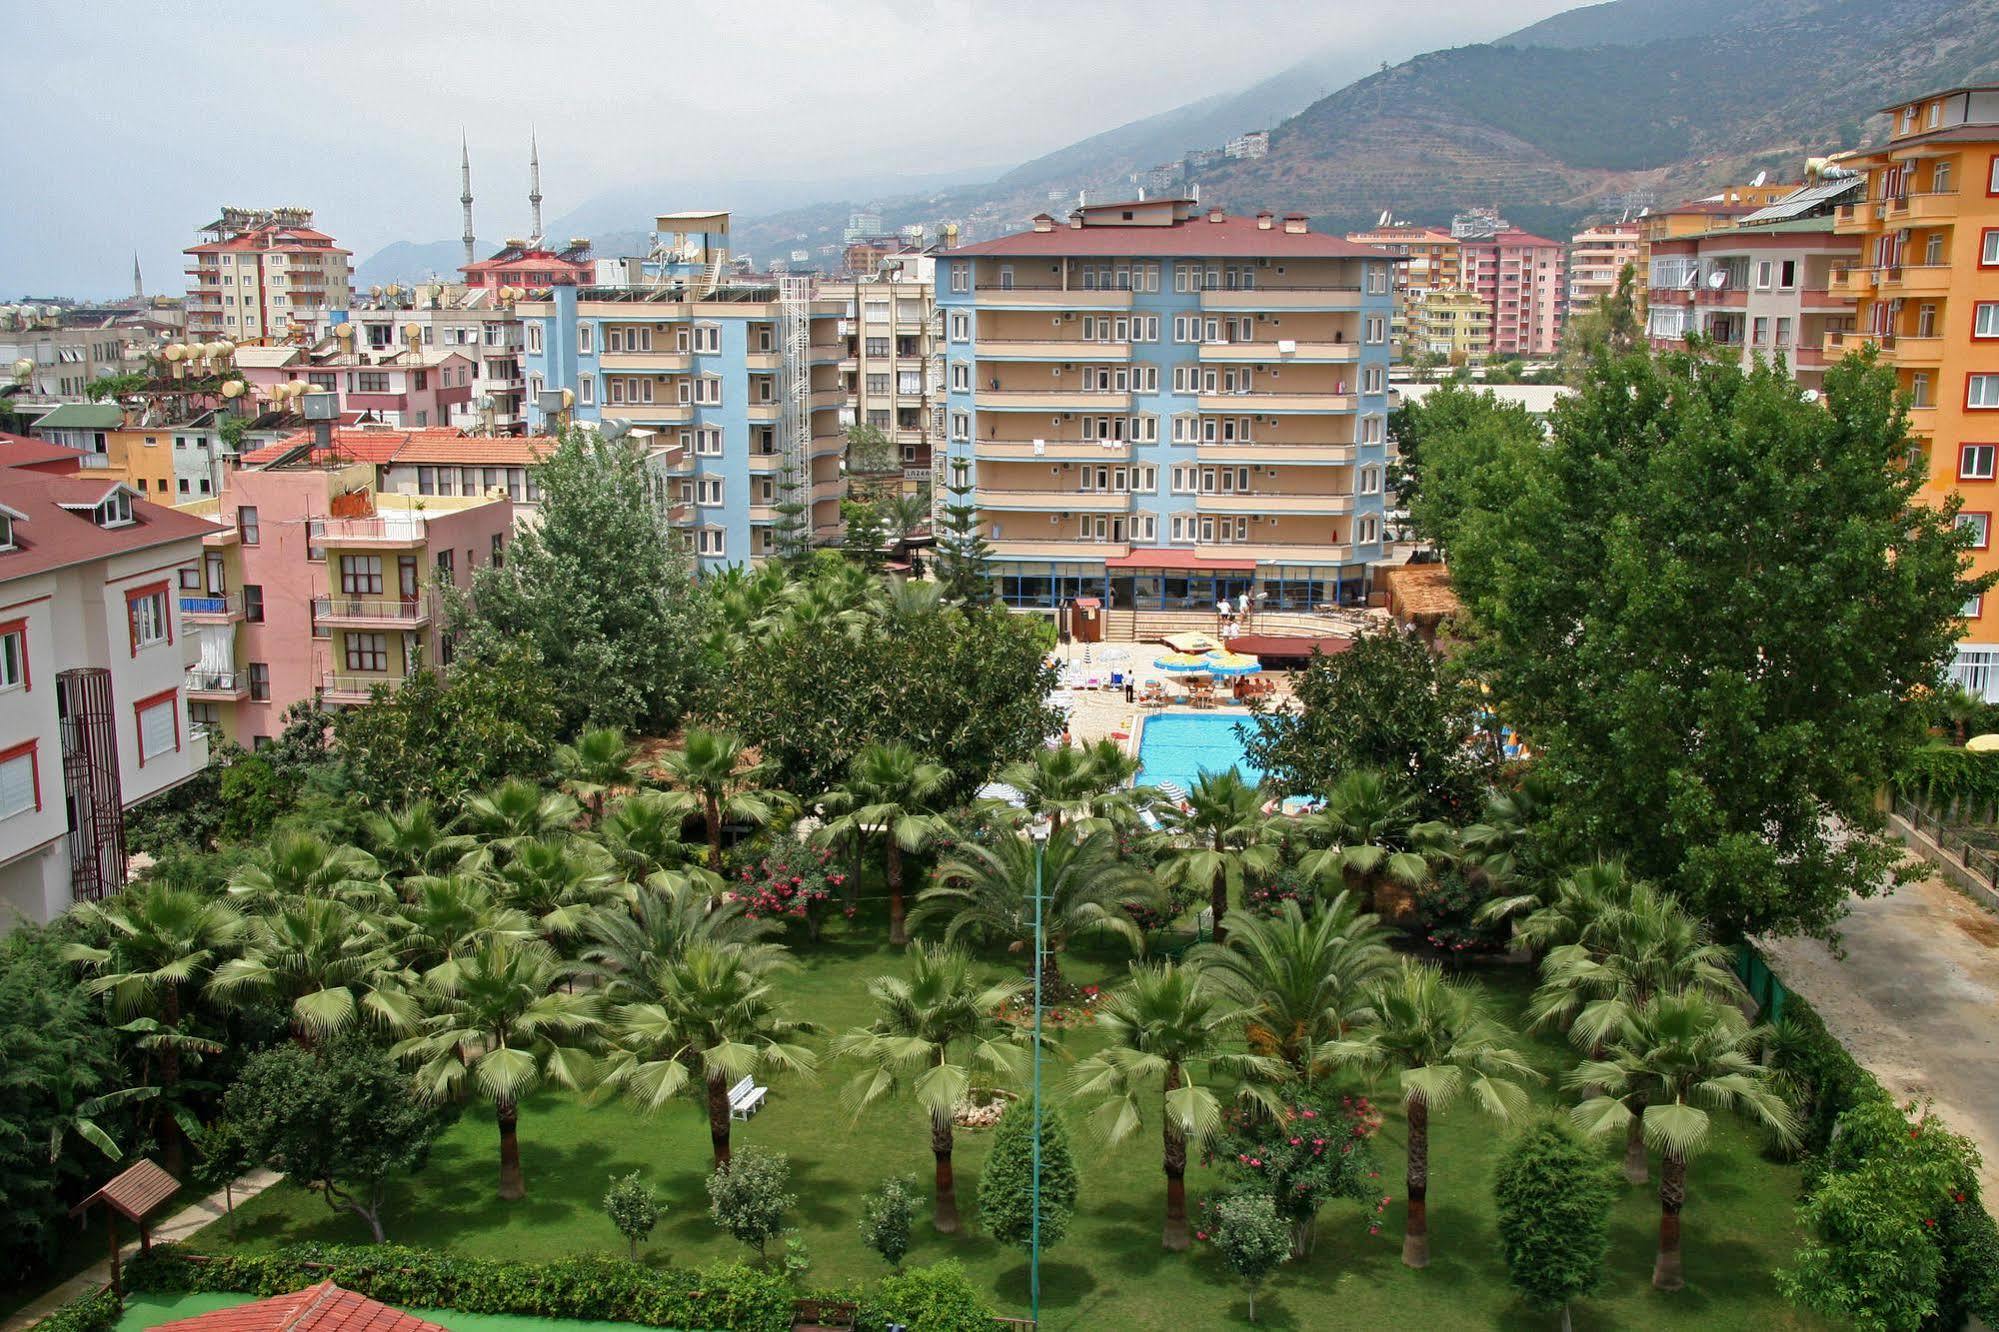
[(95, 1312)]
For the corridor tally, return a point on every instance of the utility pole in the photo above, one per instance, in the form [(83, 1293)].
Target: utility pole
[(1040, 834)]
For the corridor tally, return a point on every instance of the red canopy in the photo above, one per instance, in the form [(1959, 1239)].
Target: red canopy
[(1169, 558), (1268, 645)]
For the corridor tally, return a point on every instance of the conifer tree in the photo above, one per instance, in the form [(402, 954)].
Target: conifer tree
[(1006, 1190)]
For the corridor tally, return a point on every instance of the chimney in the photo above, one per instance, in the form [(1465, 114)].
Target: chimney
[(1264, 218), (1043, 222), (1215, 215), (1076, 219), (1294, 224)]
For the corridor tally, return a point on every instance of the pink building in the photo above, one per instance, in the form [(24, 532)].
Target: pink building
[(415, 388), (1520, 277), (322, 585), (532, 266)]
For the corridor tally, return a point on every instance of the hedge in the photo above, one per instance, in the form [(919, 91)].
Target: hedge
[(1834, 1082), (96, 1312)]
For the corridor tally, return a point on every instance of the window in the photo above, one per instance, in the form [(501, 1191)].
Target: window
[(20, 781), (708, 491), (253, 602), (708, 542), (1981, 391), (1783, 332), (961, 426), (146, 611), (1985, 320), (1992, 177), (260, 682), (534, 339), (7, 529), (159, 725), (1373, 379), (367, 652), (1373, 429), (1981, 528), (1763, 268), (586, 390), (1787, 274), (961, 277), (708, 390), (115, 511), (1759, 333), (961, 326), (708, 441), (446, 570), (1974, 462), (498, 550), (1973, 608), (707, 337), (247, 530), (14, 656), (361, 575), (586, 336)]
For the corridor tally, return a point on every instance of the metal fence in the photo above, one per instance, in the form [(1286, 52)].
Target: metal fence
[(1978, 861)]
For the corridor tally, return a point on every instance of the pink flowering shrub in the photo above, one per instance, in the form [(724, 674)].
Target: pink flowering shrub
[(791, 881), (1306, 1156)]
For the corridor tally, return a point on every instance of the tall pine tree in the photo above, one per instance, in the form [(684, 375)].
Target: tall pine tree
[(791, 534), (1006, 1190), (964, 557)]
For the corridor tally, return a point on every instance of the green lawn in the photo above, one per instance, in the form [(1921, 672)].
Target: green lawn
[(1111, 1269)]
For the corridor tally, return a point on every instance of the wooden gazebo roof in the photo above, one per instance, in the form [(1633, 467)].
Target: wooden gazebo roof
[(134, 1193)]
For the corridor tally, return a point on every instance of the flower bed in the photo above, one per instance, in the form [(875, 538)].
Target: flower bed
[(981, 1108)]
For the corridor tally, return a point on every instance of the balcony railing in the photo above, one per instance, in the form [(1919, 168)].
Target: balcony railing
[(389, 610), (208, 606), (217, 682), (341, 531), (354, 687)]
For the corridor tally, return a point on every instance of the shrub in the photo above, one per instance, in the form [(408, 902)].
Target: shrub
[(1006, 1189), (1252, 1239), (939, 1298), (789, 882), (96, 1312), (1267, 896), (1300, 1159), (1555, 1192), (633, 1208), (747, 1197), (1448, 908), (885, 1219)]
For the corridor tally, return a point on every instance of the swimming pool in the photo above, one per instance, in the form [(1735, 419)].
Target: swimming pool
[(1179, 747)]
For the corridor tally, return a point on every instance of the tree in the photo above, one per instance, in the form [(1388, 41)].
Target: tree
[(1299, 980), (886, 1215), (1614, 326), (933, 1033), (643, 832), (440, 735), (870, 452), (413, 840), (1218, 839), (559, 882), (303, 866), (514, 813), (600, 587), (1439, 1038), (324, 961), (1389, 704), (626, 950), (499, 1026), (864, 534), (1734, 759), (747, 1197), (634, 1208), (1302, 1155), (601, 761), (1372, 841), (1166, 1028), (1252, 1240), (1674, 1051), (715, 1019), (342, 1120), (964, 556), (891, 793), (1554, 1195), (905, 516), (713, 771), (1428, 436), (1065, 781), (1006, 1189), (791, 534)]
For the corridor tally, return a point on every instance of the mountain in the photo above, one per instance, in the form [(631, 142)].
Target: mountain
[(1552, 124)]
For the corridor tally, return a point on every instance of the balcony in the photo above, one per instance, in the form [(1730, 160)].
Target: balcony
[(1056, 501), (1259, 401), (350, 690), (404, 531), (647, 362), (1057, 549), (1051, 400), (1850, 282), (1050, 349), (1922, 208), (1277, 455), (1278, 552), (207, 608), (1854, 218), (1273, 503), (1284, 298), (1050, 298), (1282, 352), (649, 413), (217, 686), (1051, 450), (370, 612), (1917, 350), (1916, 280), (1818, 300)]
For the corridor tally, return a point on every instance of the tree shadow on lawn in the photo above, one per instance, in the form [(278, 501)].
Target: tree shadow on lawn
[(1066, 1287)]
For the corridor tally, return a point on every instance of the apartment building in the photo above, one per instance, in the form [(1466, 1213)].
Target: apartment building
[(321, 584), (1597, 255), (1761, 287), (1926, 285), (92, 655), (412, 386), (532, 264), (476, 322), (1520, 278), (892, 375), (1710, 213), (1163, 404), (263, 275), (55, 354), (740, 375), (1433, 266), (1451, 323)]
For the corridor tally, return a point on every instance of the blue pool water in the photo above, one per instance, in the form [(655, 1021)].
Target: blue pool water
[(1180, 747)]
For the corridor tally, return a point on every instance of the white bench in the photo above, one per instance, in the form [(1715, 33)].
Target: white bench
[(745, 1099)]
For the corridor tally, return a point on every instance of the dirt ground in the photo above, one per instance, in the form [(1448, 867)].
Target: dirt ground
[(1916, 999)]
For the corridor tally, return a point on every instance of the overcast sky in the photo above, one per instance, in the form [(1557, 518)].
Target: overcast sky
[(131, 122)]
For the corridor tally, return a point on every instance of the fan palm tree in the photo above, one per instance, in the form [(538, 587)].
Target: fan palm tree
[(1505, 845), (1585, 906), (711, 772), (500, 1025), (447, 918), (642, 831), (516, 811), (1299, 980), (298, 866), (413, 840), (1219, 839), (1960, 707), (164, 945), (904, 516), (985, 890), (1055, 784), (1440, 1040), (1166, 1035), (891, 794), (626, 949), (601, 761), (1368, 837), (326, 960), (716, 1019), (1676, 1054), (558, 881), (933, 1033)]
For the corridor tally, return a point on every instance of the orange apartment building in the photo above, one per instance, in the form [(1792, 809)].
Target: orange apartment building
[(1926, 284)]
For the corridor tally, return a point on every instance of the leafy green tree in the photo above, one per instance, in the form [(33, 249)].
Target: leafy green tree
[(1441, 1041), (341, 1120), (870, 452), (715, 774), (634, 1208), (1220, 838), (1165, 1028), (1252, 1240), (937, 1298), (891, 793), (863, 533), (1447, 443), (1733, 758), (1387, 703), (904, 516), (1301, 1155), (444, 919), (748, 1197), (932, 1035), (1006, 1189), (600, 587), (964, 556), (1554, 1195), (886, 1217), (1613, 325)]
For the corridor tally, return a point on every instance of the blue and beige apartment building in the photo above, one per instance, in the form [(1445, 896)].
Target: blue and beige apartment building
[(737, 375), (1162, 405)]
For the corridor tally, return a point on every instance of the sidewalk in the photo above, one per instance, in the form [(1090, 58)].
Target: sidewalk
[(176, 1227), (1914, 1000)]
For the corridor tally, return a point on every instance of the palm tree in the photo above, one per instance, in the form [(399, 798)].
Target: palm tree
[(328, 961), (891, 793), (1220, 838), (500, 1024), (164, 944), (413, 840), (1300, 980), (1960, 707), (1166, 1029), (642, 831), (299, 866), (1583, 906), (1505, 845), (626, 949), (447, 918), (711, 771), (1368, 837), (986, 890), (1055, 784), (516, 811), (1676, 1054), (940, 1011), (904, 515), (1438, 1037), (558, 881), (716, 1019), (600, 762)]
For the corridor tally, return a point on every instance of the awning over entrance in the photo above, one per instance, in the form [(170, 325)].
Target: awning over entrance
[(1168, 558), (1271, 648)]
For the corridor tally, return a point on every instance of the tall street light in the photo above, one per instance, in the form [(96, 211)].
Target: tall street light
[(1039, 832)]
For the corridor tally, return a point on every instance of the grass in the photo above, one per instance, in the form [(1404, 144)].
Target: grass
[(1110, 1270)]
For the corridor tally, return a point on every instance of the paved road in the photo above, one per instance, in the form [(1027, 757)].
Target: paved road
[(1916, 999)]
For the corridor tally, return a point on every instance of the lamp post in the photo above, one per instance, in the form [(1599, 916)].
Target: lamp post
[(1039, 832)]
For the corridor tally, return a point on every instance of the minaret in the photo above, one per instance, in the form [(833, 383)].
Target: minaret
[(534, 187), (138, 283), (465, 196)]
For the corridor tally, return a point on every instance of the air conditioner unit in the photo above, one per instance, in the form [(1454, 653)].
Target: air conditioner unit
[(1263, 262), (1040, 447)]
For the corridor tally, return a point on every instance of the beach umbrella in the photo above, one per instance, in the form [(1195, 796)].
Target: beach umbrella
[(1231, 663), (1116, 655), (1983, 744), (1004, 794), (1185, 663), (1172, 791)]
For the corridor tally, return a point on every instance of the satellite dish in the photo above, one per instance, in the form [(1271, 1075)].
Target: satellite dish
[(1693, 280), (1761, 176), (1810, 395), (1718, 279)]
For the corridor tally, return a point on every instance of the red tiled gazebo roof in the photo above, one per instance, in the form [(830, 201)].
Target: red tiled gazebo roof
[(321, 1308)]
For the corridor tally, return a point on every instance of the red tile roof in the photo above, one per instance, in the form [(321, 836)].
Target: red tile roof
[(321, 1308), (359, 445), (428, 445), (20, 451), (49, 536), (1232, 237)]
